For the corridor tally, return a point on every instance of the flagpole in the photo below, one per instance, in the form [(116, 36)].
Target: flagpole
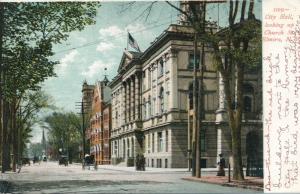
[(127, 39)]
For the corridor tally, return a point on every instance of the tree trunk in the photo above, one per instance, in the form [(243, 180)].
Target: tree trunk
[(235, 128), (238, 173), (6, 143), (14, 134), (1, 79)]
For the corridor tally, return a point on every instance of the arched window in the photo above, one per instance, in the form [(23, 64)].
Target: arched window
[(161, 98)]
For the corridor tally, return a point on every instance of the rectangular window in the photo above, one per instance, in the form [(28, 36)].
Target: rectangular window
[(116, 147), (210, 101), (144, 80), (161, 67), (128, 148), (153, 108), (152, 162), (167, 141), (144, 109), (166, 163), (159, 142), (148, 141), (191, 61), (158, 163), (152, 142)]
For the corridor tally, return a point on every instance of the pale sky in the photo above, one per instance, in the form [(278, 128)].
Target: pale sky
[(86, 53)]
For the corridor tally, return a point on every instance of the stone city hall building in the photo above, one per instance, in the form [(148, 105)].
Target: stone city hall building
[(152, 112), (152, 106)]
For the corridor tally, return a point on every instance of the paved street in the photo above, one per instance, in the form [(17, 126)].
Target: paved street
[(51, 178)]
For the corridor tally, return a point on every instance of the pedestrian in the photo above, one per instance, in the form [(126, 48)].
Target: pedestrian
[(221, 163)]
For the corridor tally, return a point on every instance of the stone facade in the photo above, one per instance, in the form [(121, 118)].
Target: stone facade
[(151, 114)]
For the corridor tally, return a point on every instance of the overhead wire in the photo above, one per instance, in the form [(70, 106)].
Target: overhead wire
[(122, 34)]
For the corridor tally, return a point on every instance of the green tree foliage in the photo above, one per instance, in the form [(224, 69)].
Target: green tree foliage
[(35, 149), (64, 133), (32, 103), (27, 33), (30, 30)]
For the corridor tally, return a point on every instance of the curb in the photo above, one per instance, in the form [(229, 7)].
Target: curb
[(225, 184), (150, 172)]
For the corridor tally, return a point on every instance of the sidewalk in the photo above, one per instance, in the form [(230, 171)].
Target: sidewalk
[(255, 183), (206, 171), (147, 170)]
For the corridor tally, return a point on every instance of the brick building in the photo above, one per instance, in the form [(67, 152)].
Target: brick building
[(99, 122)]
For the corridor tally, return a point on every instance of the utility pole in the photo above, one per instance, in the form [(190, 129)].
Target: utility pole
[(84, 108), (200, 91), (83, 129), (200, 24), (197, 94), (195, 111)]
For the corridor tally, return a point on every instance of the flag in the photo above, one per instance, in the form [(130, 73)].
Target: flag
[(133, 42)]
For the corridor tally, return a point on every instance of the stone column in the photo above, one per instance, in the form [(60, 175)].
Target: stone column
[(173, 101), (220, 117), (137, 97), (223, 133), (124, 102), (132, 96), (128, 100)]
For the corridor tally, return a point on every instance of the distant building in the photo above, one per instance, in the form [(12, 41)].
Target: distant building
[(87, 98), (99, 122)]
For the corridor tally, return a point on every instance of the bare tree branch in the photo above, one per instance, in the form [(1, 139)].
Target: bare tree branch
[(181, 11), (243, 10), (126, 6), (235, 10), (250, 11)]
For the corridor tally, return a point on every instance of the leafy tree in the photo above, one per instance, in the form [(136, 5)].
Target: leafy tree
[(65, 133), (36, 149), (27, 34)]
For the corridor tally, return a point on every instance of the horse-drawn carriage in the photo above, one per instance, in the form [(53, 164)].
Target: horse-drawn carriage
[(89, 161), (63, 160)]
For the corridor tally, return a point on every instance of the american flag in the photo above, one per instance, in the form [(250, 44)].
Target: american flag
[(133, 42)]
